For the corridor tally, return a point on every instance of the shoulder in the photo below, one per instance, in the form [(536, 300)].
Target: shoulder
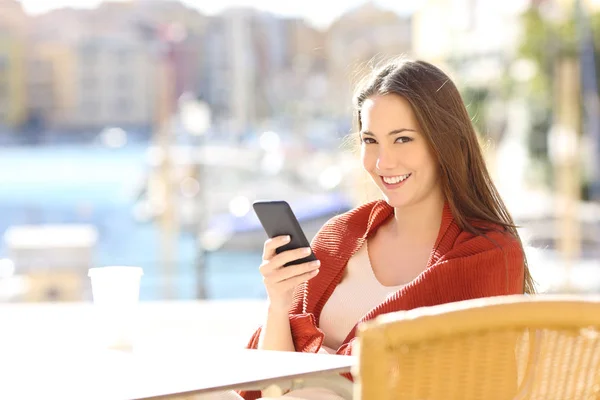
[(356, 219), (488, 264), (495, 240), (347, 229)]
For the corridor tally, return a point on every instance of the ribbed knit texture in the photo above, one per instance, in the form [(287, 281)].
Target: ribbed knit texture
[(462, 266)]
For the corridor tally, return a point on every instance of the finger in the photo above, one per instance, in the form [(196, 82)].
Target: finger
[(272, 244), (292, 271), (278, 261), (291, 255), (297, 280)]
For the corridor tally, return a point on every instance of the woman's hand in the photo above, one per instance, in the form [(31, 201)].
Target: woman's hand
[(281, 281)]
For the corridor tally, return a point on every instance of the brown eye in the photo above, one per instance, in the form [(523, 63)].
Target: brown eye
[(403, 139)]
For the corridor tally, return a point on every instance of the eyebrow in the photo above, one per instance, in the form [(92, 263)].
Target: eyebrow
[(394, 132)]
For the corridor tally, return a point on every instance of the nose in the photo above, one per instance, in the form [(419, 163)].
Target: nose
[(386, 158)]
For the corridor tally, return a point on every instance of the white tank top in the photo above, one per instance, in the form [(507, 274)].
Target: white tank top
[(357, 294)]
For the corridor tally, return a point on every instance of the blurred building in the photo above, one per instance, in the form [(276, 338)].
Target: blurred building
[(262, 71), (231, 69), (187, 45), (88, 70), (115, 71), (246, 52), (213, 64), (52, 89), (104, 64), (188, 65), (304, 74), (363, 34), (40, 89), (115, 77), (64, 25), (13, 91), (270, 40), (51, 67)]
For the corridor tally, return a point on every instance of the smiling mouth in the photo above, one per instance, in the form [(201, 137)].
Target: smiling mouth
[(395, 180)]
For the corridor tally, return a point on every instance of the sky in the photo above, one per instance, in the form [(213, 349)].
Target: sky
[(318, 12)]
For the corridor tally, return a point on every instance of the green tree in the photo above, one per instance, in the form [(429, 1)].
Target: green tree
[(544, 41)]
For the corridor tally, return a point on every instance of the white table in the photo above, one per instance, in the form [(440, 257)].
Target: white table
[(47, 351), (113, 375)]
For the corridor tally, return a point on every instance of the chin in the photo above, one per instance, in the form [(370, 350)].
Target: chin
[(396, 201)]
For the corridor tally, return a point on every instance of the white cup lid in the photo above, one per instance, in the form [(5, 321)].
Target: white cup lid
[(137, 271)]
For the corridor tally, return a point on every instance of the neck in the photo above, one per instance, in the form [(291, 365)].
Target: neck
[(421, 221)]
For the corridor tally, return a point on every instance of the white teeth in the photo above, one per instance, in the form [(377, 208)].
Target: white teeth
[(392, 180)]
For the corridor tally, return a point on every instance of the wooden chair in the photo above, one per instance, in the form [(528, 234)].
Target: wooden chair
[(507, 347)]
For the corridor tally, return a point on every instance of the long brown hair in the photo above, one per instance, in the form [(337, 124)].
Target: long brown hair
[(446, 125)]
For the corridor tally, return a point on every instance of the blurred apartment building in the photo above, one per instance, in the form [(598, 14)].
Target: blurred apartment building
[(90, 69), (84, 70), (262, 67), (13, 34), (259, 66), (357, 42)]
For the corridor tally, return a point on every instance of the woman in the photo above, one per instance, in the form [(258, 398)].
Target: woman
[(442, 234)]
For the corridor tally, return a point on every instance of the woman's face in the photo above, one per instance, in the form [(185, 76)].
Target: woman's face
[(395, 153)]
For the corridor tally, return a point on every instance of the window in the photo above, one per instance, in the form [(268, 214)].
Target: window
[(45, 97), (122, 56), (40, 71), (89, 54), (88, 83), (89, 107), (3, 111), (123, 106), (123, 82)]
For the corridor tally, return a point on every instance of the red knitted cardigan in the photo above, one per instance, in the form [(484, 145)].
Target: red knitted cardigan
[(462, 266)]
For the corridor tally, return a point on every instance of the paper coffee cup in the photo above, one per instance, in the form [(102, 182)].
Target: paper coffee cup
[(116, 291)]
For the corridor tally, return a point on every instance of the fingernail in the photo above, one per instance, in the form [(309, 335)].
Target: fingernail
[(307, 250), (286, 239), (316, 271), (316, 263)]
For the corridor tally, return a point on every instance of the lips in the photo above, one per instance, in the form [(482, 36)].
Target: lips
[(392, 182)]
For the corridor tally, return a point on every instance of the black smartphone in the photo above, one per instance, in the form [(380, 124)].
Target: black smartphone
[(278, 219)]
